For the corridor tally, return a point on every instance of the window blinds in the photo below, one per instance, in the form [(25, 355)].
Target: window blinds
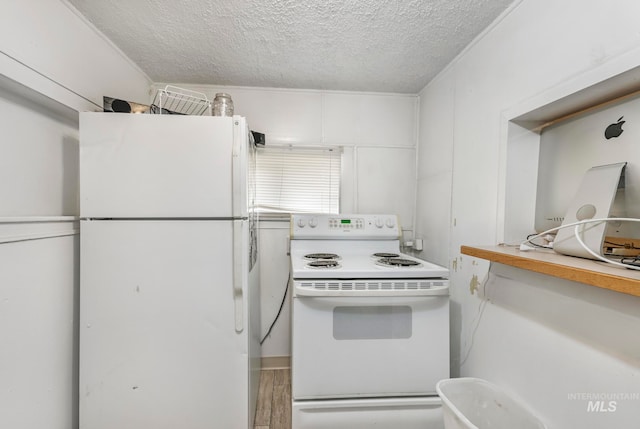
[(290, 180)]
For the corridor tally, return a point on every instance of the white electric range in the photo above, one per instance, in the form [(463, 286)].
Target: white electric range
[(370, 326)]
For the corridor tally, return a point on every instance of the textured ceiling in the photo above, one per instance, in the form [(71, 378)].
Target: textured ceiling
[(356, 45)]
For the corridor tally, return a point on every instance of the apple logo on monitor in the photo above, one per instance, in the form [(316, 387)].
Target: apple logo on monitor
[(615, 129)]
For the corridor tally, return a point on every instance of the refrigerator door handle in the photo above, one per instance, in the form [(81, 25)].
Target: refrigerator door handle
[(238, 294), (239, 169)]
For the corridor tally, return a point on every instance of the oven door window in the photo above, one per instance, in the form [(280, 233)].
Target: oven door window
[(382, 322)]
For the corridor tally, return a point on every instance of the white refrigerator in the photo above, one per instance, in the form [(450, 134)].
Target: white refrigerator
[(169, 276)]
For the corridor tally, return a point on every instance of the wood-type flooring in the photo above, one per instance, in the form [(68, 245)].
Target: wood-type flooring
[(274, 400)]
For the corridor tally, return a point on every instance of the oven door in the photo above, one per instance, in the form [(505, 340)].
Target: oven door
[(358, 347)]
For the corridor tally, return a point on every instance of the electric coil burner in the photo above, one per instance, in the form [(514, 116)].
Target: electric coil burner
[(315, 256), (362, 307), (397, 262), (324, 263), (385, 255)]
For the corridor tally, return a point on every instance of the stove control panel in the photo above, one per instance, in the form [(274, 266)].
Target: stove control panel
[(344, 226), (348, 223)]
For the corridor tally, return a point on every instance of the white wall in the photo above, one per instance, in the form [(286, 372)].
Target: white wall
[(52, 64), (541, 338), (39, 166), (38, 333), (52, 40), (378, 134), (435, 169)]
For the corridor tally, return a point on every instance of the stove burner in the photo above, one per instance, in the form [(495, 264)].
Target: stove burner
[(321, 256), (397, 262), (324, 263), (385, 255)]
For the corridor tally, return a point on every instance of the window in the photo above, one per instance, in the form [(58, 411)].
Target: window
[(290, 180)]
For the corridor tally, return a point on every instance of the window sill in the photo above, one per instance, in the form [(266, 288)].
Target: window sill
[(548, 262)]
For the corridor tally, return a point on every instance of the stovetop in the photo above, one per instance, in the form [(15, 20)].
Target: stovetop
[(353, 247), (354, 265)]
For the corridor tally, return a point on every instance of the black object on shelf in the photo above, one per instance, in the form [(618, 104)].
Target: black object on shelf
[(258, 138)]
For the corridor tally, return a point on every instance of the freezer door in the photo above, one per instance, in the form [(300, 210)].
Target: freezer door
[(148, 166), (158, 341)]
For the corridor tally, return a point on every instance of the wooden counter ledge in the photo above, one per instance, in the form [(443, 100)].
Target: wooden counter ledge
[(548, 262)]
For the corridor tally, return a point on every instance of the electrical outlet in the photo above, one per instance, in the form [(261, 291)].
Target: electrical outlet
[(418, 244)]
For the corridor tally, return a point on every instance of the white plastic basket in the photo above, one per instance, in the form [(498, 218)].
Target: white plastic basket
[(473, 403), (179, 101)]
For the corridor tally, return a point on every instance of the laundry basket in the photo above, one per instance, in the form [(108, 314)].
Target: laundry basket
[(472, 403)]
